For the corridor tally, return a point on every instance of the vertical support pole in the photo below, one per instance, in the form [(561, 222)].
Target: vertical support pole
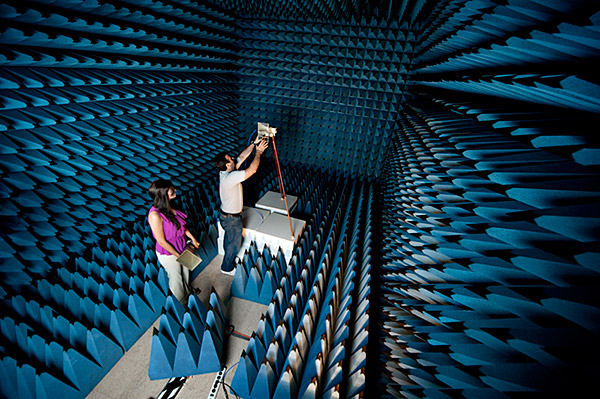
[(281, 188)]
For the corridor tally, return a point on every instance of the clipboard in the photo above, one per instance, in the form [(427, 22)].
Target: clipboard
[(189, 259)]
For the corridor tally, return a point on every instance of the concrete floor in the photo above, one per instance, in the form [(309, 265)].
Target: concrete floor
[(129, 377)]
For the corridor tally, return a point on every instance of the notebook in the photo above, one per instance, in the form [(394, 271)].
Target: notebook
[(189, 259)]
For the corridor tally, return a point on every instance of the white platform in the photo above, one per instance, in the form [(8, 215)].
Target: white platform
[(275, 232), (273, 202), (264, 227)]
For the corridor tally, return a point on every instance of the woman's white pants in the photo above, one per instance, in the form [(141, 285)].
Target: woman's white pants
[(179, 276)]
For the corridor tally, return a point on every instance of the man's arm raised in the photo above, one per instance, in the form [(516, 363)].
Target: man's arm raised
[(246, 153), (260, 148)]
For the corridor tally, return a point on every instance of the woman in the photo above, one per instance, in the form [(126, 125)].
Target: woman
[(169, 229)]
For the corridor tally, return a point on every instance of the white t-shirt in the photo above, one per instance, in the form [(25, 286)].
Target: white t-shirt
[(230, 191)]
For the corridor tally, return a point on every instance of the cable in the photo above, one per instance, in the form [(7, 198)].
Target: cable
[(245, 164), (227, 385), (232, 390), (235, 364), (230, 330), (259, 214), (224, 389), (250, 138)]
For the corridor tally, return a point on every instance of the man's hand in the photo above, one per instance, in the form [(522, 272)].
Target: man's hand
[(262, 146)]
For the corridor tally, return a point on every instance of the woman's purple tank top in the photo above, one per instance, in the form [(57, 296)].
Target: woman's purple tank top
[(175, 237)]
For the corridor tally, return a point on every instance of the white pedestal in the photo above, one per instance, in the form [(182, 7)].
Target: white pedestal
[(264, 227), (273, 202), (275, 232)]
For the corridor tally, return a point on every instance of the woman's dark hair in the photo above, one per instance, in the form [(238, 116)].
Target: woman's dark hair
[(220, 161), (159, 192)]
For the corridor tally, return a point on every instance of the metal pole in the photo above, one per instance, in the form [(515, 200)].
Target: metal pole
[(281, 188)]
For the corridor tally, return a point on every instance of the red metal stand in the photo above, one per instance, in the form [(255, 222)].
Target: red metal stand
[(281, 188)]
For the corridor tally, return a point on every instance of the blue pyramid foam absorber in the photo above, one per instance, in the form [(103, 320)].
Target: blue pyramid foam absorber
[(162, 356), (245, 375), (141, 312), (194, 326), (212, 351), (286, 386), (81, 371), (175, 308), (169, 325), (197, 309), (8, 373), (154, 295), (124, 329), (218, 307), (187, 356), (103, 349), (268, 288), (26, 381), (253, 285), (239, 282), (264, 384)]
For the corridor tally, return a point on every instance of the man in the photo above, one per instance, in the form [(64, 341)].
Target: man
[(232, 198)]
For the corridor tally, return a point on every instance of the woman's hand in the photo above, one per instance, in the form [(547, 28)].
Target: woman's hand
[(192, 238)]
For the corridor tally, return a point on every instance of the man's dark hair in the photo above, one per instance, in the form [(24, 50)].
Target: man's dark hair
[(220, 161)]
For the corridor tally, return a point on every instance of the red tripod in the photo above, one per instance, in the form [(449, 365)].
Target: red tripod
[(281, 188)]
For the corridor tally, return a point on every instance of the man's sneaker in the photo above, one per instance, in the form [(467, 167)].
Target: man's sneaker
[(229, 273)]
